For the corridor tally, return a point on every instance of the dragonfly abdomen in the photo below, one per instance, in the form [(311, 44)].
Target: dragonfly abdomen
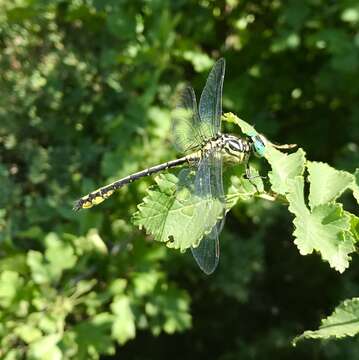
[(98, 196)]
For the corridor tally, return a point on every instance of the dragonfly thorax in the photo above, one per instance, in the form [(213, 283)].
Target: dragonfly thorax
[(235, 147), (232, 147)]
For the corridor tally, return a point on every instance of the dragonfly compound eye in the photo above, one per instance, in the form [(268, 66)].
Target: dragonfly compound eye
[(259, 145)]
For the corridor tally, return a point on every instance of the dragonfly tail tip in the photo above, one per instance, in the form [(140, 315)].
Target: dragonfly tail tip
[(77, 205)]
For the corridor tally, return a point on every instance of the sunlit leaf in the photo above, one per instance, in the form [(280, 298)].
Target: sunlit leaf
[(95, 239), (39, 270), (284, 168), (10, 284), (344, 321), (326, 183), (28, 333), (200, 60), (354, 222), (145, 282), (58, 257), (325, 229), (59, 254), (240, 188), (172, 214), (46, 348), (355, 185), (123, 328), (246, 128)]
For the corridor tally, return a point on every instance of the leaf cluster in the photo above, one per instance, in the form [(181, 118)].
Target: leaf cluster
[(86, 91)]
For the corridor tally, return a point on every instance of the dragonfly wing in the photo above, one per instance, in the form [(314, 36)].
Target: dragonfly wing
[(206, 253), (210, 104), (209, 187), (186, 123)]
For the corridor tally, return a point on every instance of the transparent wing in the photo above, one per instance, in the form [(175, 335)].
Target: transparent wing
[(186, 123), (207, 252), (191, 130), (210, 104), (209, 186)]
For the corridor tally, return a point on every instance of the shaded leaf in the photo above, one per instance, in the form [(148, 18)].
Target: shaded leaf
[(93, 336)]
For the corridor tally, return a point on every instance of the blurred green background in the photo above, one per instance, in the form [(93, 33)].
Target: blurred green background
[(86, 90)]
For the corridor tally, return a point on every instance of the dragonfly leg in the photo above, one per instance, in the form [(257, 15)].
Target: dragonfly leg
[(250, 177)]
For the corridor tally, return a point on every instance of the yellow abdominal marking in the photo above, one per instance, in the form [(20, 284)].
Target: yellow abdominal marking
[(88, 202), (97, 200), (108, 194), (87, 205)]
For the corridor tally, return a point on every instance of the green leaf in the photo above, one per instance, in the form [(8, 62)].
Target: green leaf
[(46, 348), (95, 239), (344, 321), (28, 333), (174, 306), (355, 185), (325, 229), (10, 285), (246, 129), (241, 189), (121, 26), (354, 225), (16, 262), (59, 254), (82, 287), (172, 214), (145, 282), (326, 183), (118, 286), (123, 328), (58, 257), (200, 60), (284, 168), (93, 336), (351, 14), (35, 261)]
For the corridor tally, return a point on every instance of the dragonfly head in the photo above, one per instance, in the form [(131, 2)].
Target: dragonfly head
[(258, 144)]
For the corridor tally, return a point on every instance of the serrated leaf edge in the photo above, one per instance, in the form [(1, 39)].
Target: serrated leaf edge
[(313, 334)]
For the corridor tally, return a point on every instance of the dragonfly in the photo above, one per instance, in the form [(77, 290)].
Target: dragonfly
[(197, 134)]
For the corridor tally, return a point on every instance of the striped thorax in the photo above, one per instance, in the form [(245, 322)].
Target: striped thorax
[(232, 147)]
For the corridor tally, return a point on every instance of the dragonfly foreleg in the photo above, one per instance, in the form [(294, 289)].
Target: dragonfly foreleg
[(248, 175)]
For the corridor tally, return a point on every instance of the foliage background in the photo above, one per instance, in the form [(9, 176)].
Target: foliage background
[(86, 91)]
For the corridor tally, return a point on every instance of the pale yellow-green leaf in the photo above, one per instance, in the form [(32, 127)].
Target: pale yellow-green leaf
[(174, 215), (326, 183), (123, 328), (325, 229), (285, 167)]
